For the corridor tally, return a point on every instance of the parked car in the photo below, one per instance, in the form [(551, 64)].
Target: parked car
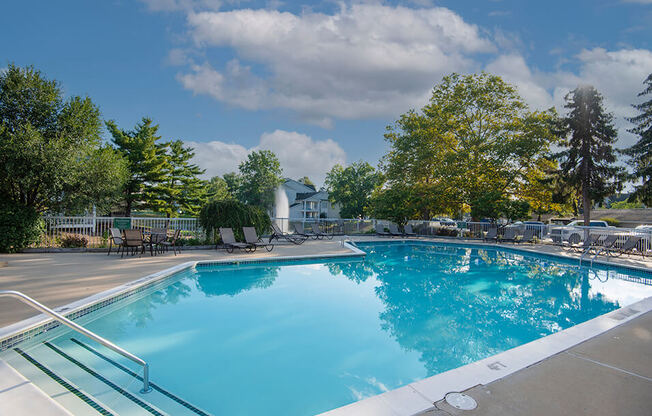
[(445, 222), (538, 226), (573, 233)]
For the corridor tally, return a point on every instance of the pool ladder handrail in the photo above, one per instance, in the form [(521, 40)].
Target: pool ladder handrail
[(62, 319)]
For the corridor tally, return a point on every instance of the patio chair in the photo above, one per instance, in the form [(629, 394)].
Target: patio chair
[(115, 238), (319, 233), (133, 239), (629, 247), (229, 242), (299, 230), (167, 243), (407, 230), (492, 235), (278, 234), (156, 237), (528, 236), (393, 230), (509, 235), (606, 245), (380, 231), (586, 245), (251, 237)]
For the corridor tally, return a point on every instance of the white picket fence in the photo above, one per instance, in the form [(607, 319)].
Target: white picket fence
[(96, 229)]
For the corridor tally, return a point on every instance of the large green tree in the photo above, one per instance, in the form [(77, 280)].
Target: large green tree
[(217, 189), (260, 175), (146, 156), (51, 153), (587, 163), (475, 138), (641, 153), (181, 190), (351, 188)]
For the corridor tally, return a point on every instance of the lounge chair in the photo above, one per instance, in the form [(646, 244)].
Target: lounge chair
[(229, 242), (299, 230), (492, 235), (251, 237), (171, 242), (586, 245), (629, 247), (380, 231), (407, 230), (509, 235), (318, 232), (278, 234), (528, 236), (115, 239), (133, 239), (393, 230)]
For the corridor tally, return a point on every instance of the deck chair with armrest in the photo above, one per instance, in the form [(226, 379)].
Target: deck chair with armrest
[(278, 234), (630, 246), (230, 243), (318, 232), (380, 231), (133, 239), (492, 235), (408, 231), (393, 230), (251, 237), (528, 236), (115, 239), (509, 235), (171, 242)]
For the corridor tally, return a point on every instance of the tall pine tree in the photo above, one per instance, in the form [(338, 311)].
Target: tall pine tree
[(641, 153), (146, 159), (587, 164), (182, 190)]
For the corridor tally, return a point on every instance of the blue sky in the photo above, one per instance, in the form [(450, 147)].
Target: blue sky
[(318, 82)]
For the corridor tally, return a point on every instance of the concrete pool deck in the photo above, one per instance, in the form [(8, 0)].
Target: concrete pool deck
[(609, 374)]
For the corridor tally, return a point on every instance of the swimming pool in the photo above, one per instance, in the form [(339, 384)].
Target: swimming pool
[(303, 337)]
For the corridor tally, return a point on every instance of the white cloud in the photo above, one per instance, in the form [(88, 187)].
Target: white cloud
[(298, 154), (617, 75), (366, 60)]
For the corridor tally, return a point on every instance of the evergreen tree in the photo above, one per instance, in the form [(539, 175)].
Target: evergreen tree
[(587, 163), (146, 159), (641, 153), (181, 189)]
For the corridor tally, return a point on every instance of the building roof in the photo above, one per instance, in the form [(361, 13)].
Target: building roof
[(305, 195)]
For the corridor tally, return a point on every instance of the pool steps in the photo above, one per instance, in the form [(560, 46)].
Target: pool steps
[(86, 381)]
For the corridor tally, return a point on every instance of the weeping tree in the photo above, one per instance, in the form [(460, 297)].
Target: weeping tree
[(587, 163), (641, 153)]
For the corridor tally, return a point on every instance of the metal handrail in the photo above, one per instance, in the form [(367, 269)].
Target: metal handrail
[(58, 317)]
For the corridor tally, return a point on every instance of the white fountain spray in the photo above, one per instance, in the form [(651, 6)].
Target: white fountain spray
[(282, 209)]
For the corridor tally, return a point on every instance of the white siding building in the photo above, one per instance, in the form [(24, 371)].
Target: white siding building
[(305, 202)]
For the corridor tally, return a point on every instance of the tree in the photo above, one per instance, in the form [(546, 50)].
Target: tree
[(306, 181), (541, 189), (181, 189), (51, 158), (641, 153), (351, 188), (261, 175), (475, 136), (587, 162), (233, 182), (146, 162), (217, 189), (395, 204)]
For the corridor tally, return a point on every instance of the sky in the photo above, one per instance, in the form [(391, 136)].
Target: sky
[(318, 82)]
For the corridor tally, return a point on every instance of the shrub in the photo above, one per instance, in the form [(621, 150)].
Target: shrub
[(20, 226), (446, 231), (611, 221), (235, 215), (73, 241)]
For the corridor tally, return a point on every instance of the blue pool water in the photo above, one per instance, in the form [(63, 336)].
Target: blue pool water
[(302, 338)]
